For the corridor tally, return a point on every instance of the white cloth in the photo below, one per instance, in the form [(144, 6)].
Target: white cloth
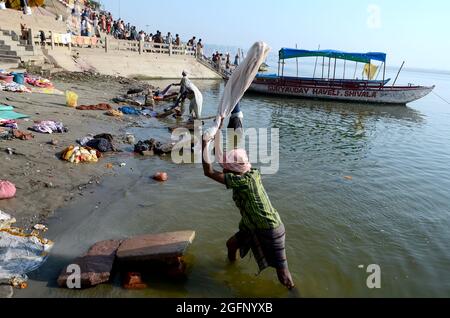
[(239, 82), (19, 254), (66, 38), (197, 103)]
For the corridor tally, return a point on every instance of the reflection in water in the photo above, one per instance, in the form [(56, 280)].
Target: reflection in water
[(337, 129)]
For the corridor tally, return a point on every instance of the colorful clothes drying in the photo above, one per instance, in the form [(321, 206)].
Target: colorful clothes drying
[(129, 110), (8, 123), (101, 106), (49, 127), (18, 134), (39, 82), (76, 154), (101, 144), (14, 87), (114, 113)]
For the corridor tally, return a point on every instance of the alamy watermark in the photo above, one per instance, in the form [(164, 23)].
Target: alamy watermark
[(73, 281), (262, 145), (374, 279)]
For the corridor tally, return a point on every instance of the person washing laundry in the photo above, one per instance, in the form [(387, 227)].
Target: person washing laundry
[(189, 91), (260, 229)]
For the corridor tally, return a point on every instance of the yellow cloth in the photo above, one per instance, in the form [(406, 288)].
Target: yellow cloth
[(76, 154), (114, 113), (370, 70)]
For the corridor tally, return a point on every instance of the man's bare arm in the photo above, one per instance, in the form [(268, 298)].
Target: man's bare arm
[(208, 169)]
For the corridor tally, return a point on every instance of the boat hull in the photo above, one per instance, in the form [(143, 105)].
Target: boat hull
[(399, 95)]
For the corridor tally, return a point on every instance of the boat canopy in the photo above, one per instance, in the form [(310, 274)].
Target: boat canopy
[(285, 54)]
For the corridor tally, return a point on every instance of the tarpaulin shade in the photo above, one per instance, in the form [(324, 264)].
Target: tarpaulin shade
[(285, 54)]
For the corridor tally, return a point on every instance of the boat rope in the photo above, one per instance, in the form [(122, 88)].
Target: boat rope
[(441, 97)]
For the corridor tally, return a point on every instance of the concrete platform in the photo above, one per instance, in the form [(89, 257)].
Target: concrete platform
[(157, 247)]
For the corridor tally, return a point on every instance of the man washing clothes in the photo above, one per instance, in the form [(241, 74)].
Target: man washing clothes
[(189, 91), (261, 229)]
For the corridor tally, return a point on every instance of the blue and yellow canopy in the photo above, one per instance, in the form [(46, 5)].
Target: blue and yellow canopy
[(285, 54)]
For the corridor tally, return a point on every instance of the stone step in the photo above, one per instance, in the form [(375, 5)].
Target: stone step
[(9, 59), (8, 52), (163, 246), (26, 47), (9, 33), (5, 47), (8, 66)]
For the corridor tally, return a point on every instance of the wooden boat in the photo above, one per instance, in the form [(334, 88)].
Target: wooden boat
[(331, 88)]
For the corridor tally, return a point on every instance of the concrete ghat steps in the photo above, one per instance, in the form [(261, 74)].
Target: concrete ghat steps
[(10, 58), (7, 52), (14, 51), (8, 66)]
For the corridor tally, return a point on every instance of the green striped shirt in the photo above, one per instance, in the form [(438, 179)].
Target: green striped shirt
[(253, 202)]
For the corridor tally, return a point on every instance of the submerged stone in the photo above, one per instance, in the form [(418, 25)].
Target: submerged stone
[(95, 266)]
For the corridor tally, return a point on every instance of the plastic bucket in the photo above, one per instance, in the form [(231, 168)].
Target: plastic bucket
[(71, 99), (6, 78), (19, 78)]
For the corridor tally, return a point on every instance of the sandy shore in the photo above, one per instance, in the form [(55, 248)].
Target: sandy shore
[(44, 182)]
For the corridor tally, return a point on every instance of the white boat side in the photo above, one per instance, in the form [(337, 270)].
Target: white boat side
[(384, 95)]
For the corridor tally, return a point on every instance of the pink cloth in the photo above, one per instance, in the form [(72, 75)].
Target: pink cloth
[(236, 160), (7, 190)]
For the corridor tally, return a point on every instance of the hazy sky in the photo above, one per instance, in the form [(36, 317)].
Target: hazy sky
[(413, 30)]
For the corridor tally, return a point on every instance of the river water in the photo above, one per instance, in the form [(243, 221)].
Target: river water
[(357, 185)]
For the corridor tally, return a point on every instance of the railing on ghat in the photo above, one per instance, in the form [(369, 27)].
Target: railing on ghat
[(109, 44)]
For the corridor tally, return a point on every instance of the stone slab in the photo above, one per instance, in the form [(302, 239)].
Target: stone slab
[(96, 265), (155, 246)]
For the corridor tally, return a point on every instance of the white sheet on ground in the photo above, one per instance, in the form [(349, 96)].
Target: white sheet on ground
[(239, 82), (20, 254)]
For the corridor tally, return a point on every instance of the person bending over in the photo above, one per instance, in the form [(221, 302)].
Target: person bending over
[(189, 91), (261, 229)]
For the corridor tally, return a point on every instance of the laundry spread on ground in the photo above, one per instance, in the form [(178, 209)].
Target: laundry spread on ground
[(114, 113), (39, 82), (127, 110), (22, 135), (101, 106), (14, 87), (47, 91), (7, 113), (20, 253), (153, 146), (49, 127), (8, 123), (77, 154), (102, 142)]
